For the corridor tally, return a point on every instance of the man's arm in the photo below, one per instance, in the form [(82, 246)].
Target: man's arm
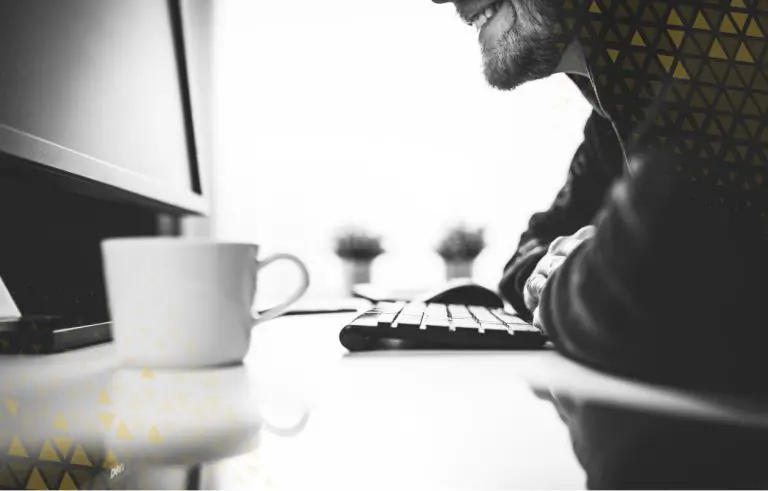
[(598, 162), (668, 290)]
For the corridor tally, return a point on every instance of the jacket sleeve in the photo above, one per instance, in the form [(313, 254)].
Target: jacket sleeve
[(668, 290), (596, 164)]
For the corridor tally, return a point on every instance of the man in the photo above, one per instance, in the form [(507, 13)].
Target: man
[(666, 279)]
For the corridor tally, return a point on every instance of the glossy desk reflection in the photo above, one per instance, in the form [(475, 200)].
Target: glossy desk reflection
[(99, 426), (378, 420)]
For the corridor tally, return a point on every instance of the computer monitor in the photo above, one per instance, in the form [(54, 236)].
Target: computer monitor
[(105, 111), (113, 92)]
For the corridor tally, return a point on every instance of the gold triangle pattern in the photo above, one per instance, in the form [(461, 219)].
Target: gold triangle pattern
[(693, 76)]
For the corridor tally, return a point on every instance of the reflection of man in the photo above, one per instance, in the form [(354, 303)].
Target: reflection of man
[(669, 283), (636, 448)]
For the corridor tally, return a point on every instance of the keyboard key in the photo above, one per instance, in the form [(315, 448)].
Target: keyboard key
[(408, 321), (414, 308), (484, 315), (465, 326), (459, 312), (366, 320), (437, 317), (496, 330), (388, 307), (515, 322)]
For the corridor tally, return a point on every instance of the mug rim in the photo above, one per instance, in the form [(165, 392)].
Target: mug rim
[(162, 241)]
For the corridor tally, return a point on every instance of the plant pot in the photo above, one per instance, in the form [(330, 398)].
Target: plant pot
[(458, 269), (356, 272)]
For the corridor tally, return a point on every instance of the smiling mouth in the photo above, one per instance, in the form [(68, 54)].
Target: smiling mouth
[(486, 15)]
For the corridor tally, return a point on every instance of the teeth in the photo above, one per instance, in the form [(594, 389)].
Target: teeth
[(485, 16)]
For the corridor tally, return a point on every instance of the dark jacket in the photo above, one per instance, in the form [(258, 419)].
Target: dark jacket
[(671, 289)]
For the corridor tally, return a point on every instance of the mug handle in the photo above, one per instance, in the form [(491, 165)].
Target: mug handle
[(278, 309)]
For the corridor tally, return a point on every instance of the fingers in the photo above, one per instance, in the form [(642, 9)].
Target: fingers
[(532, 292), (564, 246), (537, 320), (585, 233)]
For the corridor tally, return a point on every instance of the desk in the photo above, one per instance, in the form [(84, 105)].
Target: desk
[(376, 420)]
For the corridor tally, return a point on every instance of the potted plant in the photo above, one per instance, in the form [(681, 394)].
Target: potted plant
[(459, 248), (357, 248)]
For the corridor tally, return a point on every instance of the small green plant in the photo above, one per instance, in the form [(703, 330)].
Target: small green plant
[(357, 244), (462, 243)]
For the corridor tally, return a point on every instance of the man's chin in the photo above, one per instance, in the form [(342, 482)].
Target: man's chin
[(503, 77), (509, 71)]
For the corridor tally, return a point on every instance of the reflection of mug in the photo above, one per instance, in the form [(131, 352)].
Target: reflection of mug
[(188, 416), (184, 302)]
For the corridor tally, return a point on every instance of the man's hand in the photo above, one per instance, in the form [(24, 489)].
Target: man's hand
[(559, 249)]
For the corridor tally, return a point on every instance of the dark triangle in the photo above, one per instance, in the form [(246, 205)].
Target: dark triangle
[(720, 69), (760, 82), (710, 94), (693, 66), (52, 473), (753, 126), (687, 14), (8, 480), (648, 15), (731, 45), (666, 44), (737, 99), (707, 76), (740, 131), (756, 48), (702, 43), (21, 470), (713, 16), (746, 73), (762, 103), (734, 80)]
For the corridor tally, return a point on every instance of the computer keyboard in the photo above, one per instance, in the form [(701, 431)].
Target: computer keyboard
[(438, 326)]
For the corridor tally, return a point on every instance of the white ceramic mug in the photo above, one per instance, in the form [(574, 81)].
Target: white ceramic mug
[(180, 302)]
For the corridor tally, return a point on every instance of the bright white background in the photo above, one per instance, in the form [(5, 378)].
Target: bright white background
[(377, 113)]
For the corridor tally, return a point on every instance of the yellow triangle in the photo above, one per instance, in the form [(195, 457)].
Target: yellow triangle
[(674, 18), (666, 61), (595, 8), (740, 19), (110, 460), (17, 449), (104, 398), (717, 51), (35, 480), (79, 457), (106, 420), (681, 72), (67, 482), (154, 435), (48, 453), (12, 405), (147, 373), (123, 433), (744, 55), (677, 37), (64, 443), (614, 53), (754, 30), (60, 423), (727, 26), (637, 39)]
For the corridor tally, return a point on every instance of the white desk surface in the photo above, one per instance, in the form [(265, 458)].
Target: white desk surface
[(376, 420)]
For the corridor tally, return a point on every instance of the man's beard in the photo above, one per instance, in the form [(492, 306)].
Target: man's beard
[(527, 51)]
